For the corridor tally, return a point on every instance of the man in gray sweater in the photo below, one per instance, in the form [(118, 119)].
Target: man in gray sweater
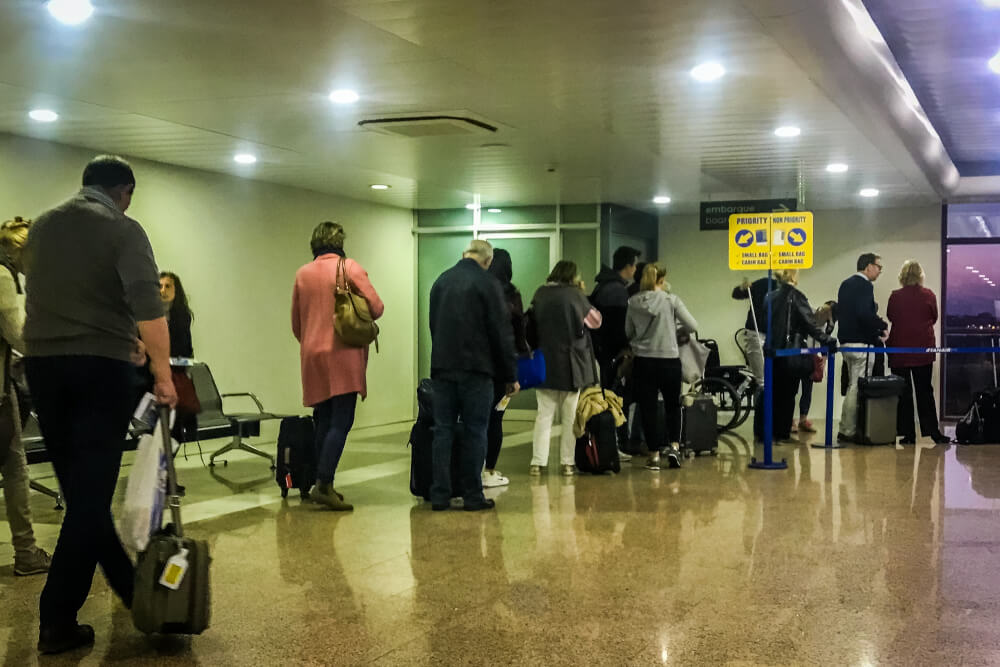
[(92, 286)]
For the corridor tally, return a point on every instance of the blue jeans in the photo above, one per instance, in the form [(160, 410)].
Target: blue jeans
[(334, 418), (466, 396)]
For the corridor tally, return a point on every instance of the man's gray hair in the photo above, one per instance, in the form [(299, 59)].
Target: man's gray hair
[(481, 249)]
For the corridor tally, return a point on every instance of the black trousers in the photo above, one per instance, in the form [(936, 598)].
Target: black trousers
[(786, 385), (652, 377), (918, 378), (83, 405), (494, 432)]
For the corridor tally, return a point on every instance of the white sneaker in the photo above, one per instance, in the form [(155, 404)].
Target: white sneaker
[(491, 479), (623, 457)]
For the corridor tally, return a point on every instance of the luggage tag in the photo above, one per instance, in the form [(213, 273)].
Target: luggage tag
[(502, 405), (173, 573)]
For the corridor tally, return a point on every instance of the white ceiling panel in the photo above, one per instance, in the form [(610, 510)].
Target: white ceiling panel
[(598, 90)]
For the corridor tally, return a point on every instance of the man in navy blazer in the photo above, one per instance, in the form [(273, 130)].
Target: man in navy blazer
[(859, 324)]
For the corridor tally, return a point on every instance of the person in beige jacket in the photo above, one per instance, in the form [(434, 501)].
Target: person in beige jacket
[(28, 557)]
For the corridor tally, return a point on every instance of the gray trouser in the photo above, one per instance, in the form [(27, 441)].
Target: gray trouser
[(856, 362), (16, 486), (755, 355)]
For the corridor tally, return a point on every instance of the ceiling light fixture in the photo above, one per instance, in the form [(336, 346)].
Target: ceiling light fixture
[(494, 210), (70, 12), (994, 63), (472, 207), (43, 115), (836, 167), (970, 268), (661, 199), (991, 4), (975, 270), (869, 192), (244, 158), (710, 71), (787, 131), (379, 186), (344, 96)]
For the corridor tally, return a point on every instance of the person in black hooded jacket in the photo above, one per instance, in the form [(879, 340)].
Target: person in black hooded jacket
[(610, 298), (503, 270), (792, 322)]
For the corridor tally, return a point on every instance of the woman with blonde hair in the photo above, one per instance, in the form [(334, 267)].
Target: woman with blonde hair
[(28, 558), (792, 322), (651, 323), (913, 312), (333, 372)]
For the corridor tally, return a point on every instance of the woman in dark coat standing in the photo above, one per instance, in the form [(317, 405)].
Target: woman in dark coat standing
[(561, 314), (913, 312), (502, 269)]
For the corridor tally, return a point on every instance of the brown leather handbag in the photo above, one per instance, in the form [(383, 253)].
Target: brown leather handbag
[(352, 320)]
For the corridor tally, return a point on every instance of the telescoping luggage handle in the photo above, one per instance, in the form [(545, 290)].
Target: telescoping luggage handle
[(175, 502)]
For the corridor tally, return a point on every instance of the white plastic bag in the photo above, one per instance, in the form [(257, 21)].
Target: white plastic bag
[(694, 357), (142, 514)]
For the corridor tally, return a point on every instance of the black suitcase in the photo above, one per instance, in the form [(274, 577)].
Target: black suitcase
[(878, 398), (184, 608), (421, 447), (699, 420), (296, 462), (597, 448)]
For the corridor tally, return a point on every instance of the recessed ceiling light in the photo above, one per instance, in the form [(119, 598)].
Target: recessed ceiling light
[(379, 186), (992, 4), (970, 267), (975, 270), (494, 210), (710, 71), (244, 158), (43, 115), (994, 63), (661, 199), (344, 96), (788, 131), (836, 167), (869, 192), (472, 207), (70, 12)]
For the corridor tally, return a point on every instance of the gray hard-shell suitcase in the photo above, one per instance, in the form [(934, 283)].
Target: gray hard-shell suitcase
[(156, 608), (878, 398)]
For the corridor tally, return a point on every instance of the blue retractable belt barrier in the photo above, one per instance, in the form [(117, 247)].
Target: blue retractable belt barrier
[(768, 463)]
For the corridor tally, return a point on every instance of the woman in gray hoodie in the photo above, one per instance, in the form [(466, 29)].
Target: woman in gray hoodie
[(651, 325)]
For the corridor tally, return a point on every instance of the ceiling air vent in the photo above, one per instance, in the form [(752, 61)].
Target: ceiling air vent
[(429, 125)]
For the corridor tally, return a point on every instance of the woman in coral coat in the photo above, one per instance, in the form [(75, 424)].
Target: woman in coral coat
[(333, 373)]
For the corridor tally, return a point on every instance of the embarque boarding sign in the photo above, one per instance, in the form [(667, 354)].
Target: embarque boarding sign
[(770, 241)]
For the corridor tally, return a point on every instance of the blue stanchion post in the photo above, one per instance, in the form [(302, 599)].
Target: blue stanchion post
[(831, 386), (768, 463)]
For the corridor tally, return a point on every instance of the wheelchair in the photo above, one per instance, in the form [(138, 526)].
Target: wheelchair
[(733, 389)]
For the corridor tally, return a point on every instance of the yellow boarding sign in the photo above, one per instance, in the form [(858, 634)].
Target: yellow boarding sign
[(749, 241), (771, 241), (792, 240)]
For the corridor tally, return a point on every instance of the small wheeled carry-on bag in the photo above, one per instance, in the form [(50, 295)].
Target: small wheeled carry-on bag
[(878, 397), (296, 463), (172, 592), (597, 448), (422, 446), (699, 420)]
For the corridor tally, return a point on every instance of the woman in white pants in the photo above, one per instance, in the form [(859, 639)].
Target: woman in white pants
[(560, 314)]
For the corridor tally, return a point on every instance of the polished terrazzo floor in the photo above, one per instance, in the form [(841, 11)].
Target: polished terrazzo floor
[(859, 556)]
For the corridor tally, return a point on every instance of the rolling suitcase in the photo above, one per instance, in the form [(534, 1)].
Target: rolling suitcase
[(421, 447), (296, 462), (699, 420), (597, 448), (878, 397), (172, 592)]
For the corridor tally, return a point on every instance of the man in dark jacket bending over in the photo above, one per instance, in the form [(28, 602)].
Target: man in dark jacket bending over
[(471, 343)]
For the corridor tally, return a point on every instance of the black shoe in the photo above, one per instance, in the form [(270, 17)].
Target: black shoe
[(439, 507), (486, 504), (60, 640), (673, 458), (181, 490), (850, 439), (908, 440), (941, 439)]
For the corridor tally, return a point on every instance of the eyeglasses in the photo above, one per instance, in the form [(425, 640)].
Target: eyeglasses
[(879, 266)]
